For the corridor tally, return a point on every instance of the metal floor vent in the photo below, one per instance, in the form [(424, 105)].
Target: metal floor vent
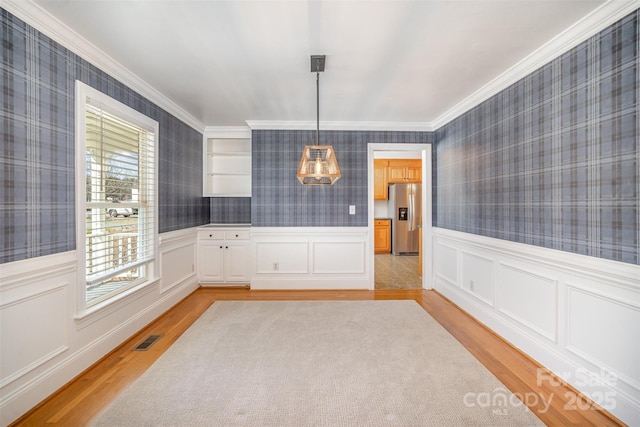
[(148, 342)]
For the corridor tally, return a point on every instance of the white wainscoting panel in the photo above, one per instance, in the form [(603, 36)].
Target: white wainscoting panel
[(282, 257), (338, 257), (576, 315), (445, 263), (45, 344), (35, 327), (178, 252), (594, 332), (309, 258), (522, 292), (478, 277)]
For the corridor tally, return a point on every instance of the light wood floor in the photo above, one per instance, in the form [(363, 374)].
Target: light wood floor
[(90, 393)]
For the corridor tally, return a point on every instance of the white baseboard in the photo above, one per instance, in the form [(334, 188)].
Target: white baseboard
[(285, 283), (578, 316)]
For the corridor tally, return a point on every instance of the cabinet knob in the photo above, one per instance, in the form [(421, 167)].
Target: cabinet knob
[(210, 235), (220, 247), (226, 247), (236, 235)]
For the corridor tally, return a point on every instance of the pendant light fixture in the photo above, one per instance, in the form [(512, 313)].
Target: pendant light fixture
[(318, 165)]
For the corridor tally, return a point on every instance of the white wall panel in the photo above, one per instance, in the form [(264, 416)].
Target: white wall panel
[(478, 276), (282, 257), (310, 258), (594, 332), (576, 315), (338, 257), (177, 265), (45, 343), (530, 299), (33, 331), (446, 263)]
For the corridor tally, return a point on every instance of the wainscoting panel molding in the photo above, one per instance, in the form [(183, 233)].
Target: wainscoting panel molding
[(521, 293), (595, 332), (285, 257), (309, 257), (178, 251), (338, 257), (445, 263), (478, 277), (578, 316), (39, 316), (33, 343)]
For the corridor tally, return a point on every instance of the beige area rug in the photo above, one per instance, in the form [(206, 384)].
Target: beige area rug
[(317, 363)]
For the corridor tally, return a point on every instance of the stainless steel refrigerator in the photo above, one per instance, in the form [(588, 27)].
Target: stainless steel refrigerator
[(405, 206)]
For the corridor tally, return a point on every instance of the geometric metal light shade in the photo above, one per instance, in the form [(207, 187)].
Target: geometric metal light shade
[(318, 166)]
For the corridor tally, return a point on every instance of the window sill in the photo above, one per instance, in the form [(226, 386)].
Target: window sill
[(95, 313)]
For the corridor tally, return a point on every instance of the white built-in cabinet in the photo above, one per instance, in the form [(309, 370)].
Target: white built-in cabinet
[(227, 162), (223, 255)]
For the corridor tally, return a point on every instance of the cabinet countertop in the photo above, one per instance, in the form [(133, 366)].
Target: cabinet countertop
[(204, 227)]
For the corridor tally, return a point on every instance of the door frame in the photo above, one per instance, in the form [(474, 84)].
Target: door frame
[(427, 208)]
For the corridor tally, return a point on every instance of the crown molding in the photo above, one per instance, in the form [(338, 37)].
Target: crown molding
[(596, 21), (49, 25), (336, 125)]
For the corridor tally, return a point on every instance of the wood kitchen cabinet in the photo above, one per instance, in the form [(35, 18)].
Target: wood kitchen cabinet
[(405, 170), (380, 179), (382, 236)]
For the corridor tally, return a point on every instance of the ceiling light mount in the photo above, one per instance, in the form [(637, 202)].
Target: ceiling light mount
[(317, 63), (318, 165)]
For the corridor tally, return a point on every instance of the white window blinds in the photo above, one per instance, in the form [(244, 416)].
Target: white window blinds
[(120, 216)]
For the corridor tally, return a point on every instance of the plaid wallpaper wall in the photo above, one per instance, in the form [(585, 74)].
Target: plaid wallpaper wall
[(279, 200), (230, 210), (37, 192), (553, 160)]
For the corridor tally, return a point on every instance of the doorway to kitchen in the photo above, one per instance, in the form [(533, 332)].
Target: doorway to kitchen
[(396, 222), (397, 272)]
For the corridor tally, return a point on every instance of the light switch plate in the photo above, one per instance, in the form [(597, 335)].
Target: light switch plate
[(352, 209)]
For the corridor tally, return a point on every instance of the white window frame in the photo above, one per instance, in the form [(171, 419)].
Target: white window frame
[(84, 92)]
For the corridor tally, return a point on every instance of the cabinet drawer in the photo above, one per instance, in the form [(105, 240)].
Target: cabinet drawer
[(237, 235), (211, 235), (382, 222)]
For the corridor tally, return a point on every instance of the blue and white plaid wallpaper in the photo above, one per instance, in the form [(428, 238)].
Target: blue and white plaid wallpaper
[(279, 200), (230, 210), (553, 160), (37, 195)]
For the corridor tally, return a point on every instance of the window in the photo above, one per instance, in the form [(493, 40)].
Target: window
[(116, 214)]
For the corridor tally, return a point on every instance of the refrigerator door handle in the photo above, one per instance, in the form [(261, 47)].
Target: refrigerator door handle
[(411, 208)]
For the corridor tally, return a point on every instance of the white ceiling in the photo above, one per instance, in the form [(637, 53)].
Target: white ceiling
[(226, 62)]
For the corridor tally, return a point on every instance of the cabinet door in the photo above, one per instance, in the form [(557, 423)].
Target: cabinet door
[(414, 171), (380, 180), (210, 261), (405, 170), (382, 237), (235, 261), (396, 171)]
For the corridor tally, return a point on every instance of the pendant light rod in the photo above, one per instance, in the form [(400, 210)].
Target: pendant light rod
[(318, 103), (317, 65)]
